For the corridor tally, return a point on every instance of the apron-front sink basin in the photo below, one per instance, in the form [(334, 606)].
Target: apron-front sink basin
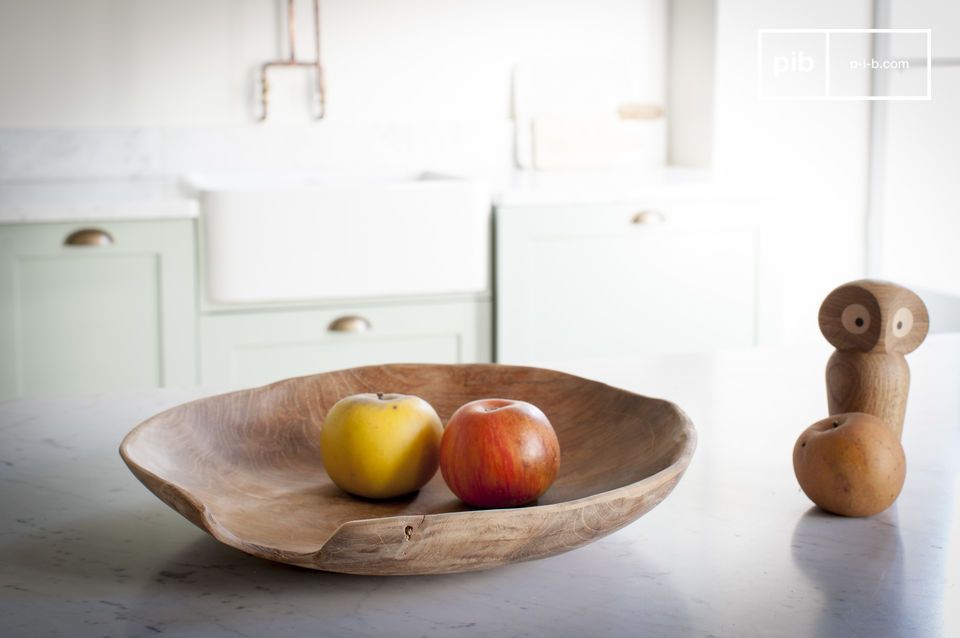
[(293, 238)]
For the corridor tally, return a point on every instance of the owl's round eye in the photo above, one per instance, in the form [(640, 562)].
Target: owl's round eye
[(855, 319), (902, 322)]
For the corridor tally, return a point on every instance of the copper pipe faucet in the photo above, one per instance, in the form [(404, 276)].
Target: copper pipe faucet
[(319, 91)]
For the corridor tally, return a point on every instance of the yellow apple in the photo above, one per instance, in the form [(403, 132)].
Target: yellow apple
[(381, 445)]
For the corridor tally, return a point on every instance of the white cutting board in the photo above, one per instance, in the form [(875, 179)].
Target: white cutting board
[(567, 116)]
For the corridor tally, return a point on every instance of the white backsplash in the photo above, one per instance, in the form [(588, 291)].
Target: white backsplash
[(476, 149), (38, 154)]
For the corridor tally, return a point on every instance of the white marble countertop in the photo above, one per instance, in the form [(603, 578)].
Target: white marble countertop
[(736, 550), (570, 188), (67, 201), (80, 200)]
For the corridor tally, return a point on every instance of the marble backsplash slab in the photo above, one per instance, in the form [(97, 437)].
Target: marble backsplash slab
[(55, 154), (468, 148)]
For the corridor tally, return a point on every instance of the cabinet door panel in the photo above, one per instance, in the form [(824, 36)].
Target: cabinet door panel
[(568, 290), (88, 324), (249, 348), (113, 318)]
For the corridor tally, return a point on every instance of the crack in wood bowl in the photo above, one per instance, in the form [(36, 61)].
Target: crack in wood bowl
[(246, 468)]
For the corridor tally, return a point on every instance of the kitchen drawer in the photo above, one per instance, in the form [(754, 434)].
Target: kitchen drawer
[(253, 348), (592, 281), (106, 317), (609, 220)]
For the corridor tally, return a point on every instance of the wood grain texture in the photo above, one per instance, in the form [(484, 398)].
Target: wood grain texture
[(872, 324), (891, 318), (876, 383), (246, 468)]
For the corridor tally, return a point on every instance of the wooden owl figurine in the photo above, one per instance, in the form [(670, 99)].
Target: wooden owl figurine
[(872, 324)]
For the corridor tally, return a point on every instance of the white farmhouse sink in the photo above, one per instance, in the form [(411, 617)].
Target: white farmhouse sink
[(289, 238)]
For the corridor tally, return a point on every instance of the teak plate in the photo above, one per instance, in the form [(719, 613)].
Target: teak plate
[(246, 468)]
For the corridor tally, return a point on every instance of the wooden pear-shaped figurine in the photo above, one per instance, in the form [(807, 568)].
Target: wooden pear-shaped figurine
[(872, 324)]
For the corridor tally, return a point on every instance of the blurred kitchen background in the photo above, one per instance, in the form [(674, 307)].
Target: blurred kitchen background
[(522, 181)]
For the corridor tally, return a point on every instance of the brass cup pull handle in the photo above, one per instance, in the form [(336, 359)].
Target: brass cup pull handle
[(89, 237), (648, 217), (349, 323)]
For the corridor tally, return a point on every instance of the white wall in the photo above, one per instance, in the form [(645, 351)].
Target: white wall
[(72, 63), (916, 215), (809, 156), (143, 88)]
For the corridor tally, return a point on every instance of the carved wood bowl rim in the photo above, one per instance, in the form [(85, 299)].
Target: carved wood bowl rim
[(387, 545)]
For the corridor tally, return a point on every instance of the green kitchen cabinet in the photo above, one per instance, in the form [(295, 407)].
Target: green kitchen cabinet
[(252, 348), (97, 307), (623, 279)]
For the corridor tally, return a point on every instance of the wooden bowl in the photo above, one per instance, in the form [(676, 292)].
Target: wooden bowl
[(246, 468)]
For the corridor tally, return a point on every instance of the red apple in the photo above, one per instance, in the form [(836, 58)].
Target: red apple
[(499, 453)]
